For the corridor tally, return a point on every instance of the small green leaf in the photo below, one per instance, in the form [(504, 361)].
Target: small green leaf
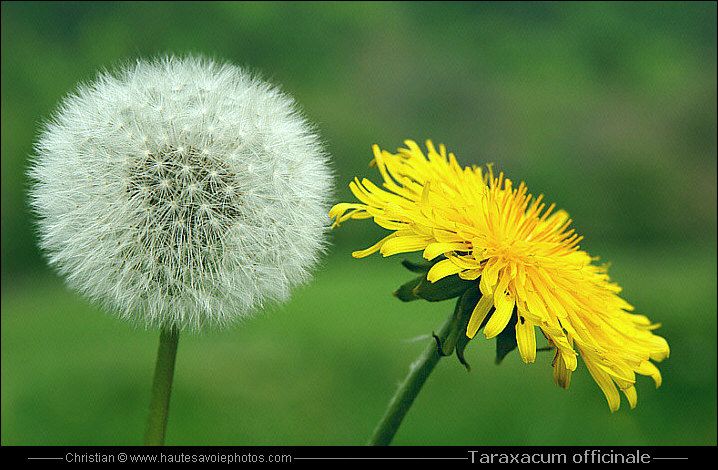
[(460, 346), (405, 293)]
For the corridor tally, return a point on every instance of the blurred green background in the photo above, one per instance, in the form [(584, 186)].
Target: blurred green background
[(607, 108)]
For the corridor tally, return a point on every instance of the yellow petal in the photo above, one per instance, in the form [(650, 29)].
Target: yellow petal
[(536, 306), (561, 374), (490, 277), (442, 269), (470, 274), (631, 395), (501, 316), (661, 350), (403, 244), (374, 248), (343, 207), (607, 386), (526, 339), (647, 368), (477, 316), (436, 249)]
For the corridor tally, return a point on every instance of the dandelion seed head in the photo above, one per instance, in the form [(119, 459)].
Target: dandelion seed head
[(156, 192)]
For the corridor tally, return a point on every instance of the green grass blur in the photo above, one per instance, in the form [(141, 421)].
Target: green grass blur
[(607, 108)]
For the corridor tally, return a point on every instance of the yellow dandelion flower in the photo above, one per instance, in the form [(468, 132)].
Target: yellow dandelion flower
[(524, 257)]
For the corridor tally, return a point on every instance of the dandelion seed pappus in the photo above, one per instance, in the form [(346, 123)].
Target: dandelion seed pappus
[(163, 191)]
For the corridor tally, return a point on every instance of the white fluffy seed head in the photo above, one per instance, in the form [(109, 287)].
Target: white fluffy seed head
[(181, 192)]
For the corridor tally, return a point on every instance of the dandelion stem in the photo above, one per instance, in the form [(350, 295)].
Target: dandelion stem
[(409, 389), (162, 387)]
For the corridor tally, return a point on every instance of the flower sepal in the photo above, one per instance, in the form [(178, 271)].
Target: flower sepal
[(419, 268), (457, 339), (406, 293), (506, 340), (421, 288), (444, 289)]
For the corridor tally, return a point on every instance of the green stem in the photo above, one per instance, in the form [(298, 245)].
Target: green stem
[(409, 389), (162, 387)]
